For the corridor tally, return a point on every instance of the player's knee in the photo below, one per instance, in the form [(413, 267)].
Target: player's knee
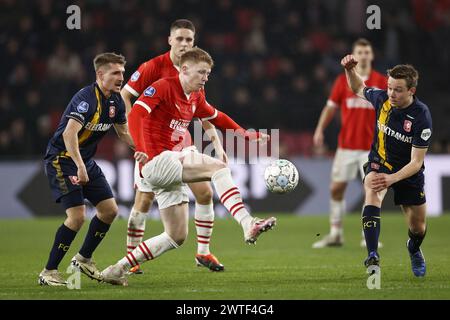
[(368, 190), (204, 195), (216, 166), (108, 214), (145, 202), (178, 237), (372, 198), (221, 165), (337, 192), (114, 211), (418, 228), (75, 221)]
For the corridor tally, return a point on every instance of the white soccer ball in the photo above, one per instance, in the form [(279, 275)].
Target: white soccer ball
[(281, 176)]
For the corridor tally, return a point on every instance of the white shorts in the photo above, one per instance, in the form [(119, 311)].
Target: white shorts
[(347, 163), (139, 181), (163, 176)]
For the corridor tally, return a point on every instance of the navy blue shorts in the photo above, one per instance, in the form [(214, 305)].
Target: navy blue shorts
[(70, 195), (408, 192)]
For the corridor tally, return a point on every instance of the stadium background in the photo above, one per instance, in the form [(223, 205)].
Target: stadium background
[(275, 64)]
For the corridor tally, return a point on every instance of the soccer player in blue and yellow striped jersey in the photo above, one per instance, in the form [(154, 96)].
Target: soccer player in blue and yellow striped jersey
[(72, 173), (402, 135)]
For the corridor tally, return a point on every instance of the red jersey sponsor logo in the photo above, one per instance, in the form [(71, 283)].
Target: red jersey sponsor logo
[(357, 102), (179, 125)]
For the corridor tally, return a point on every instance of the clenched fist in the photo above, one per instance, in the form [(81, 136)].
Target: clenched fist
[(349, 62)]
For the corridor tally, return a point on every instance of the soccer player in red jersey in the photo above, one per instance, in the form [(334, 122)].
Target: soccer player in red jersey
[(181, 39), (355, 136), (168, 106)]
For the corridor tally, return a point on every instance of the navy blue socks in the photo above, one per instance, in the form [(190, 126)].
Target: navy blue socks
[(371, 226), (415, 240), (63, 239), (96, 233)]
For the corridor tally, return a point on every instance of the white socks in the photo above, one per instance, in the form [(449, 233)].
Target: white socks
[(337, 211), (136, 229), (148, 250), (204, 222), (230, 196)]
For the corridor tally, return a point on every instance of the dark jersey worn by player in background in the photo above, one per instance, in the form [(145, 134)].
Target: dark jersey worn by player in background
[(95, 113), (397, 131)]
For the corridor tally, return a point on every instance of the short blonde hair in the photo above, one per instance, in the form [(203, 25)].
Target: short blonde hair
[(196, 55)]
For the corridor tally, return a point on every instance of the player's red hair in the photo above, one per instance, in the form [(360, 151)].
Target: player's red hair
[(197, 55)]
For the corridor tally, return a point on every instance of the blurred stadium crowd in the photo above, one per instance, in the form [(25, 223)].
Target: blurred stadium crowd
[(275, 59)]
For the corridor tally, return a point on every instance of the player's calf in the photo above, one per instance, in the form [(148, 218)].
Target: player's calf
[(179, 238), (135, 229), (231, 198)]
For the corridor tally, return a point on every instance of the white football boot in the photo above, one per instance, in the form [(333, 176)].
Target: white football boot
[(329, 241), (115, 275), (86, 266), (51, 278)]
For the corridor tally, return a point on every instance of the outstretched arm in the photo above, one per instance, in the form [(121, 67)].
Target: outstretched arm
[(224, 122), (354, 80), (135, 118)]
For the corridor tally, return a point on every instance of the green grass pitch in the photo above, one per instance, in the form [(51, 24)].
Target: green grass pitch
[(282, 265)]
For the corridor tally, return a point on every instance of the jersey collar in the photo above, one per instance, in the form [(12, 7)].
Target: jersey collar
[(101, 93)]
